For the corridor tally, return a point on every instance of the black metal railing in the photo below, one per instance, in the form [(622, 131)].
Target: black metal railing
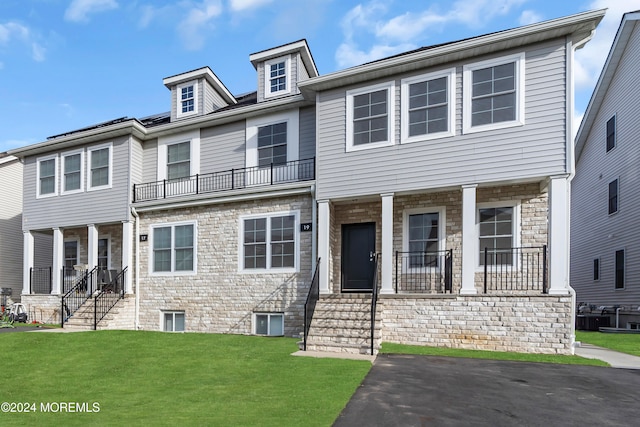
[(40, 280), (515, 269), (374, 299), (310, 304), (111, 289), (424, 272), (80, 292), (298, 170)]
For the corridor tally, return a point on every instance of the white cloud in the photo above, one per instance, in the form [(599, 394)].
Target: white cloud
[(79, 10), (396, 34), (529, 17), (192, 29), (242, 5), (590, 59), (14, 31)]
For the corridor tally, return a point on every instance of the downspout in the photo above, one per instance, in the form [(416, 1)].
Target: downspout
[(314, 239), (136, 238)]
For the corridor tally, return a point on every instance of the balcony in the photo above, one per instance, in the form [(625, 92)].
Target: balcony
[(232, 179)]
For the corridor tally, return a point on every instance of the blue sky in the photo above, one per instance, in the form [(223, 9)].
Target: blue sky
[(67, 64)]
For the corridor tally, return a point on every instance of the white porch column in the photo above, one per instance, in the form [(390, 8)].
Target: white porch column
[(559, 198), (324, 223), (127, 255), (387, 244), (469, 240), (92, 246), (58, 261), (27, 261)]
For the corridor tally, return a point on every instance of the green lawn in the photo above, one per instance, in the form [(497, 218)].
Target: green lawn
[(154, 378), (625, 343), (494, 355)]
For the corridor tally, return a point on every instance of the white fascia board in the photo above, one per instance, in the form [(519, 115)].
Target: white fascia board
[(574, 24), (7, 159), (606, 76)]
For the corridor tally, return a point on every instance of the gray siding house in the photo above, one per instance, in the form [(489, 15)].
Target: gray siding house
[(421, 198), (10, 229), (605, 197)]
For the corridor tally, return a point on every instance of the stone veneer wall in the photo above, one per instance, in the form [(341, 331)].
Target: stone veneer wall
[(530, 324), (112, 231), (42, 308), (219, 298)]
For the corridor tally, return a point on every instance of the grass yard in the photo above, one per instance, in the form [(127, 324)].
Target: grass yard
[(494, 355), (154, 378), (625, 343)]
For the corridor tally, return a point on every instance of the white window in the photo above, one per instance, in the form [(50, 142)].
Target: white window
[(100, 167), (428, 106), (178, 155), (423, 237), (493, 94), (268, 324), (173, 248), (103, 253), (47, 171), (272, 138), (173, 321), (269, 242), (370, 114), (187, 99), (179, 160), (498, 232), (71, 248), (277, 73), (73, 172)]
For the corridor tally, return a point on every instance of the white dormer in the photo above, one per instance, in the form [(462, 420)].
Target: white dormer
[(196, 93), (281, 68)]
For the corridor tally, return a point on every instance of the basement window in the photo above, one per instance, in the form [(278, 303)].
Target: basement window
[(271, 324)]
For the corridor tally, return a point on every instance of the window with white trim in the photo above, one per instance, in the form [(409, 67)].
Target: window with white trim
[(103, 252), (272, 144), (72, 172), (173, 321), (498, 233), (187, 99), (269, 242), (47, 171), (179, 160), (619, 265), (271, 324), (428, 106), (277, 74), (613, 196), (174, 248), (100, 165), (370, 114), (493, 94), (70, 254), (611, 133)]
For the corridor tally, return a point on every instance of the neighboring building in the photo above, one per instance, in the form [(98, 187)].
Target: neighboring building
[(10, 229), (605, 241), (438, 177)]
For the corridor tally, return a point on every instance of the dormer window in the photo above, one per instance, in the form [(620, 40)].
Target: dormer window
[(187, 97), (277, 76)]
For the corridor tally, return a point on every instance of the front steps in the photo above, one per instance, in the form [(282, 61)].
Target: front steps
[(121, 316), (342, 324)]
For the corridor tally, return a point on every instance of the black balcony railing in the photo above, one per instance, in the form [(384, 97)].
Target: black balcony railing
[(233, 179), (40, 280), (424, 272), (515, 269)]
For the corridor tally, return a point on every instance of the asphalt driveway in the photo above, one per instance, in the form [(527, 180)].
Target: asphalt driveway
[(407, 390)]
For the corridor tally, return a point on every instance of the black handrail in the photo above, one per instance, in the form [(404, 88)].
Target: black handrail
[(374, 299), (310, 304), (108, 296), (80, 292), (515, 269), (424, 272), (293, 171)]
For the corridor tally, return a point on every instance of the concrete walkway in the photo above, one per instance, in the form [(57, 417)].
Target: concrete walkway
[(613, 358)]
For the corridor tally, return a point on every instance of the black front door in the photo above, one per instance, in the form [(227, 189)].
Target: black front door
[(358, 247)]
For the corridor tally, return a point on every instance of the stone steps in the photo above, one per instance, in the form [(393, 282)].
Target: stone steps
[(342, 324), (121, 316)]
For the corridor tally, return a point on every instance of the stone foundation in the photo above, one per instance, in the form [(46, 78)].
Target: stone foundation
[(43, 308)]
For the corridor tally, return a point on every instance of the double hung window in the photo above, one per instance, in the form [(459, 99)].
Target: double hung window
[(272, 144), (269, 242), (496, 232), (179, 160), (370, 117), (174, 249)]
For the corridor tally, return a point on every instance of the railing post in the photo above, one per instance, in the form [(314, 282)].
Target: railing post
[(396, 272), (197, 183), (232, 179), (95, 312), (485, 270), (134, 193), (544, 269), (50, 279), (164, 188), (271, 173)]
